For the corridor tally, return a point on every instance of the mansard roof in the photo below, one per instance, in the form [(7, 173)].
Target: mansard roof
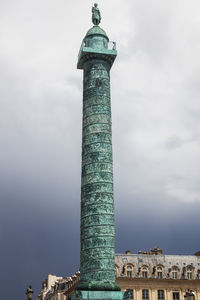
[(151, 260)]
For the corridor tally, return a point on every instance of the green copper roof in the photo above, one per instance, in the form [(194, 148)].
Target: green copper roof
[(96, 30)]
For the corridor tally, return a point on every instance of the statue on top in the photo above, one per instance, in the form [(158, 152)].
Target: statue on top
[(96, 15)]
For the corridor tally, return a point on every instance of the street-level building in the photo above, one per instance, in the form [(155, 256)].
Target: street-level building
[(48, 285), (154, 276), (53, 287), (147, 275)]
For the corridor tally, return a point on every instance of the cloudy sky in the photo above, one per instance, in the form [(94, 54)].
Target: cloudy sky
[(156, 131)]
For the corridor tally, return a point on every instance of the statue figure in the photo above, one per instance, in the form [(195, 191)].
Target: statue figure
[(96, 15), (29, 292), (189, 295)]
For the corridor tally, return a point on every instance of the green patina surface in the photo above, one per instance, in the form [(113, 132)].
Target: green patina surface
[(100, 295), (97, 265)]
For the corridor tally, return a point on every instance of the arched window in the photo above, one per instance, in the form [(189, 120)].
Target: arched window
[(175, 272), (129, 271), (189, 272), (144, 271), (159, 272)]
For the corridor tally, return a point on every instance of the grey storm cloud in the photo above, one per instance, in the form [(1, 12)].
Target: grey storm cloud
[(156, 137)]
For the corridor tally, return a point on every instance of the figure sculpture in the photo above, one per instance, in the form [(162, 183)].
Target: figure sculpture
[(29, 292), (96, 15)]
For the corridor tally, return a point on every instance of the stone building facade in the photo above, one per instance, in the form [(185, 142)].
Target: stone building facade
[(147, 275), (154, 276), (54, 288)]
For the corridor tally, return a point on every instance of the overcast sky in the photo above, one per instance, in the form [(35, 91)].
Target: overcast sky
[(155, 84)]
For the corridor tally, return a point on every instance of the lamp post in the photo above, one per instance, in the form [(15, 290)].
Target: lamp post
[(29, 292)]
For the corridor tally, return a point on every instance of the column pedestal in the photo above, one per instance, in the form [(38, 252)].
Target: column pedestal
[(99, 295)]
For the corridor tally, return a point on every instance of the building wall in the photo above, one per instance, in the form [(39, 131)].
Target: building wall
[(151, 271), (153, 285)]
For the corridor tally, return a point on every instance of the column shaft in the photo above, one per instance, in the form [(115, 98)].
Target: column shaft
[(97, 208)]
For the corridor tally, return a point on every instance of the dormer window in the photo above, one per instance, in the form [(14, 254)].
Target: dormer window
[(129, 271), (144, 272), (159, 273), (174, 274), (189, 272)]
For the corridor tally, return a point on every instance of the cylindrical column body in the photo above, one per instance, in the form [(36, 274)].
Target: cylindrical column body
[(97, 265), (97, 209)]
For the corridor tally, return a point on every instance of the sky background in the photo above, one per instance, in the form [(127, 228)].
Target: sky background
[(155, 83)]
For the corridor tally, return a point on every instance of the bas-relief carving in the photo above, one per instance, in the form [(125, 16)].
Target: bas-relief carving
[(97, 198), (99, 241), (97, 220), (96, 147), (96, 80), (97, 177), (97, 166), (98, 72), (100, 252), (95, 64), (96, 128), (101, 187), (102, 210), (97, 118), (95, 162), (103, 264), (99, 230), (100, 99), (97, 137), (96, 92), (97, 83), (97, 109), (97, 210)]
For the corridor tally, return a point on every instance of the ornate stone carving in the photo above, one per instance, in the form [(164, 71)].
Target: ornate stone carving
[(97, 268)]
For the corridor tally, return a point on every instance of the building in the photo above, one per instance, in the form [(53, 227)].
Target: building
[(53, 287), (148, 275), (154, 276), (47, 285)]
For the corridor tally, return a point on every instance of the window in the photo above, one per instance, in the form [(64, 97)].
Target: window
[(189, 273), (144, 272), (130, 293), (161, 295), (145, 294), (159, 272), (129, 271), (175, 295), (174, 274)]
